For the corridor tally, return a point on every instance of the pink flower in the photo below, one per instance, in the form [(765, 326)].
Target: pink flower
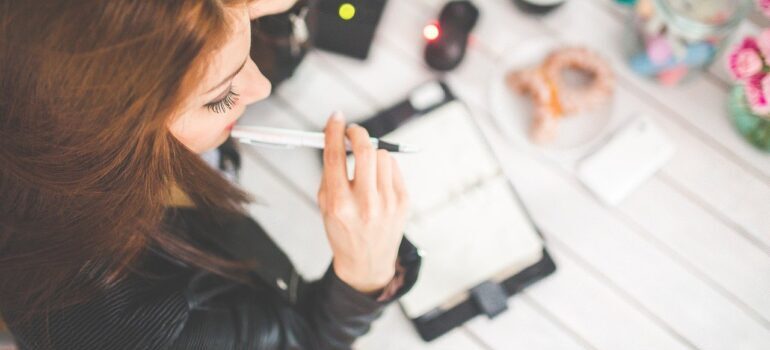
[(764, 108), (763, 43), (758, 94), (749, 42), (745, 63), (764, 5)]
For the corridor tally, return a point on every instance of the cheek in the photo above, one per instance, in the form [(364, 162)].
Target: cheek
[(199, 133)]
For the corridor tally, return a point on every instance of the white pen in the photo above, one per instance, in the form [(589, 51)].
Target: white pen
[(288, 138)]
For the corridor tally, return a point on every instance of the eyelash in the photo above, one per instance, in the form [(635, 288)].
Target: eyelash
[(225, 104)]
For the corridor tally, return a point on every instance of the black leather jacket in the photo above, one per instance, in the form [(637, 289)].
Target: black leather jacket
[(167, 305)]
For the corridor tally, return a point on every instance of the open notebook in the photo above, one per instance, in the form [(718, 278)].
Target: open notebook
[(465, 215)]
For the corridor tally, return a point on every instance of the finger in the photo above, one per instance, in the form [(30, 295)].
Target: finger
[(254, 12), (398, 183), (385, 175), (335, 172), (365, 176), (259, 8), (320, 194)]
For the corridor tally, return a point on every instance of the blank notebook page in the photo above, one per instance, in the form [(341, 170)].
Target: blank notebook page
[(464, 214)]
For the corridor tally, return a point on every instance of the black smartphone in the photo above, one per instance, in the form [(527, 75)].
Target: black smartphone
[(347, 26)]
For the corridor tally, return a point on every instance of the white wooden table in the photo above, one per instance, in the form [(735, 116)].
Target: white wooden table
[(684, 262)]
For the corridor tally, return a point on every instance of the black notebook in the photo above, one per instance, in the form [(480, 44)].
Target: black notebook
[(477, 242)]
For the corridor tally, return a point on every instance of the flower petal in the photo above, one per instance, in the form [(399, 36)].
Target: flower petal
[(763, 42), (764, 5), (749, 42), (756, 94), (745, 63)]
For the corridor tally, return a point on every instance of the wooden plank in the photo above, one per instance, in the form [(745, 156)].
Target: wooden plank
[(308, 79), (524, 326), (619, 323), (708, 246), (389, 78)]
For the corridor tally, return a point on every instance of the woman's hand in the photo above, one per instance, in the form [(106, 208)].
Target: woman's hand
[(259, 8), (364, 218)]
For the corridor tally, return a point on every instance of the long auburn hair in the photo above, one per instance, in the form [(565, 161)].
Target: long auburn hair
[(87, 88)]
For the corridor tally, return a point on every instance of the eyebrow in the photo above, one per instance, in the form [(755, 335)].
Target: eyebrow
[(230, 76)]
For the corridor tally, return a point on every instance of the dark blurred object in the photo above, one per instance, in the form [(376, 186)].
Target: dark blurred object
[(348, 26), (279, 42), (6, 340), (229, 157), (538, 6), (448, 38), (420, 101)]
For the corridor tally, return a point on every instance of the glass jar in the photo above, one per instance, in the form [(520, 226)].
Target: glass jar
[(754, 128), (672, 40)]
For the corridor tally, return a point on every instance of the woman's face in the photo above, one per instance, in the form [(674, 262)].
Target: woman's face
[(231, 81)]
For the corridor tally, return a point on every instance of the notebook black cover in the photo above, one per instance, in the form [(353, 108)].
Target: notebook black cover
[(437, 322), (432, 325)]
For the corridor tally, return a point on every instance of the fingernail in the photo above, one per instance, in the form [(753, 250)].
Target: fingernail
[(337, 116)]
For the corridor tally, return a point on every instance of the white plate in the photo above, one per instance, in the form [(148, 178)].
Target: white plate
[(513, 112)]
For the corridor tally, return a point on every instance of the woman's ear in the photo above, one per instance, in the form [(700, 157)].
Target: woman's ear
[(259, 8)]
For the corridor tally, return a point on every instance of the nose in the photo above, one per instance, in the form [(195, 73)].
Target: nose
[(258, 87)]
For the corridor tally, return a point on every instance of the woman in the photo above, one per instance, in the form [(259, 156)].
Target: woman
[(114, 234)]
